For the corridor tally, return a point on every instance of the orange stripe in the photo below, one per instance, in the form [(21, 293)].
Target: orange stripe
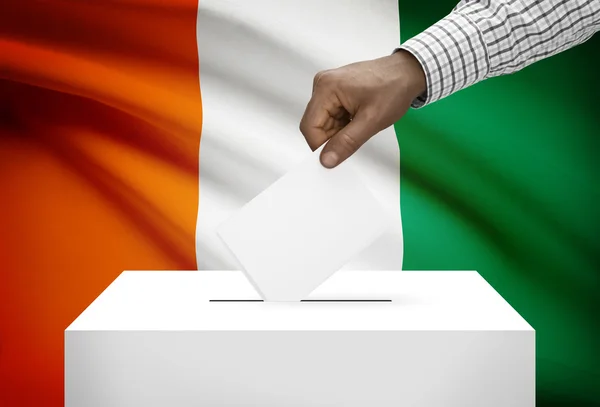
[(99, 133)]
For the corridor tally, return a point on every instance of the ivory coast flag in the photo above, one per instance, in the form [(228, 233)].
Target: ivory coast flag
[(130, 129)]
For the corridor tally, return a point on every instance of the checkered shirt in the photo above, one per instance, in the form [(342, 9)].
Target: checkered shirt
[(481, 39)]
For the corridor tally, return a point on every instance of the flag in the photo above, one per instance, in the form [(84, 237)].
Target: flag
[(130, 129), (257, 64)]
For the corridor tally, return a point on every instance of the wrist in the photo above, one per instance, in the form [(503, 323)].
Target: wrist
[(411, 74)]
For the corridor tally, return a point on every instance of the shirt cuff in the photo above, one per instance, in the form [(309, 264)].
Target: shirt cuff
[(453, 55)]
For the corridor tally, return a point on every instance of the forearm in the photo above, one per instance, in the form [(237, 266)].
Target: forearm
[(481, 39)]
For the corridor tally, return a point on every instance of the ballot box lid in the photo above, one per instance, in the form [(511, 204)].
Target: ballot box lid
[(349, 300)]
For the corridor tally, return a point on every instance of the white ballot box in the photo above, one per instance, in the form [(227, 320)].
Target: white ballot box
[(368, 339)]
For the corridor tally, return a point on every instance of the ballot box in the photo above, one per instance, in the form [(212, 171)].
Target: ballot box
[(362, 339)]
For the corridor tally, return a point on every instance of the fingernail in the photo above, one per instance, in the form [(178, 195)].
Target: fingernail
[(329, 160)]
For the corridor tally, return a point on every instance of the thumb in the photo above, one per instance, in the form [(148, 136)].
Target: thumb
[(347, 141)]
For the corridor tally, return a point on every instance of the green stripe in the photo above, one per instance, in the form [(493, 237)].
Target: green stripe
[(504, 178)]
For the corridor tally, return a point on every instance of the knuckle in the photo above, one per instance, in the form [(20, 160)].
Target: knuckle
[(323, 78), (317, 78), (348, 143), (302, 127)]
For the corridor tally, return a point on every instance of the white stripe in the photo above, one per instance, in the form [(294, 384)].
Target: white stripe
[(257, 62)]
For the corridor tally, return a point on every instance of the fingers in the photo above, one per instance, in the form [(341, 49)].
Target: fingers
[(316, 80), (312, 124), (316, 115), (347, 141)]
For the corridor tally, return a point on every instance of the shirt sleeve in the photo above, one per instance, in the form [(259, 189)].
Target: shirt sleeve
[(480, 39)]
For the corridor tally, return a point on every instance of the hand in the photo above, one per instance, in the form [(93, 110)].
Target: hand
[(351, 104)]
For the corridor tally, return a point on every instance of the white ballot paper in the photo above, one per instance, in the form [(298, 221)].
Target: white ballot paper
[(303, 228)]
